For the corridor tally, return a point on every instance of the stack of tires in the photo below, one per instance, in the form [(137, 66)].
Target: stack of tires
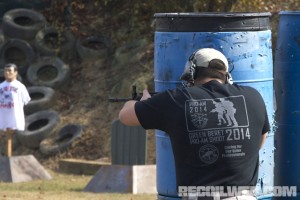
[(39, 50)]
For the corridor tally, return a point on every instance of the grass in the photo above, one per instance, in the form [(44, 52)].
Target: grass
[(61, 187)]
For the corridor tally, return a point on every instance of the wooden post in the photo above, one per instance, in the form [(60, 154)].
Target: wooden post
[(9, 136)]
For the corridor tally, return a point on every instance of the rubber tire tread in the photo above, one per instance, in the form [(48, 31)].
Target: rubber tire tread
[(60, 143), (13, 30), (60, 80), (86, 53), (32, 139), (44, 103), (45, 50), (23, 46)]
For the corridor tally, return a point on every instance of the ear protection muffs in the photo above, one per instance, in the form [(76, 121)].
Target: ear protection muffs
[(229, 79), (190, 70)]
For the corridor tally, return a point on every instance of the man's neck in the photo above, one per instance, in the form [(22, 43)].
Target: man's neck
[(10, 80), (205, 80)]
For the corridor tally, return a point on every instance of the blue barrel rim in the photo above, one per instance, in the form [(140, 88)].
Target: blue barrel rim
[(212, 21), (186, 40), (289, 12), (214, 14)]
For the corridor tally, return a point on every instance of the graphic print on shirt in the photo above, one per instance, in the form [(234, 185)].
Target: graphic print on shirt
[(211, 121), (225, 111), (6, 98), (208, 154), (203, 114)]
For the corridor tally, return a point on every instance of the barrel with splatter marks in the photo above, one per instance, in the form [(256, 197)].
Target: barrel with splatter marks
[(245, 39)]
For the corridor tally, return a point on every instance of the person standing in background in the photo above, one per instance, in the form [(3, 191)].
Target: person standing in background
[(13, 97)]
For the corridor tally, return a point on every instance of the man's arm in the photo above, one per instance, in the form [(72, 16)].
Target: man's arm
[(127, 114), (263, 139)]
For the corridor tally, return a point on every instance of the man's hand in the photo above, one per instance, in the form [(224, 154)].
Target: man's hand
[(146, 95), (127, 114)]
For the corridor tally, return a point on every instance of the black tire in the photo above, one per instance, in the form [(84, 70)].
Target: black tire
[(19, 52), (130, 52), (48, 71), (22, 23), (42, 98), (2, 38), (62, 141), (93, 47), (37, 127), (51, 42)]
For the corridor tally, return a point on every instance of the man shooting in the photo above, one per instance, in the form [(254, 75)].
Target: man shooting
[(207, 152)]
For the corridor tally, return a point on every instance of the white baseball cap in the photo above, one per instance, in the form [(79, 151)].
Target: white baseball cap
[(201, 58)]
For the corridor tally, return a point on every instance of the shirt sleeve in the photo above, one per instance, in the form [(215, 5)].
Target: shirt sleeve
[(151, 112), (25, 95), (266, 127)]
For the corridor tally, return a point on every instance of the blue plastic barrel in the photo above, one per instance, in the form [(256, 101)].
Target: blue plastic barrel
[(245, 39), (287, 87)]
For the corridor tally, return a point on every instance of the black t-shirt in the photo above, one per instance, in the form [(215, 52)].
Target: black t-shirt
[(215, 131)]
